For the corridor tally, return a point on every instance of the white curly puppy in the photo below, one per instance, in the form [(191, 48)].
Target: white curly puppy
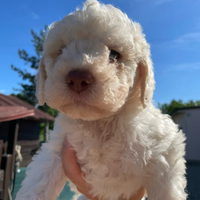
[(97, 71)]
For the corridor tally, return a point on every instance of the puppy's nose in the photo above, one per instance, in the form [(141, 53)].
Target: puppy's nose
[(79, 80)]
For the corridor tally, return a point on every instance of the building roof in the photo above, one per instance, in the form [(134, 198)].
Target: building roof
[(177, 110), (12, 108)]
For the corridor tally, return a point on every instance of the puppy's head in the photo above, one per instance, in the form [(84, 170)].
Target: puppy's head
[(95, 61)]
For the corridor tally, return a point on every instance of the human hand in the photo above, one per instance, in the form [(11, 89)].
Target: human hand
[(74, 174)]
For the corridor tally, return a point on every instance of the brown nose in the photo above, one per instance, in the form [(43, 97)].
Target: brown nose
[(79, 80)]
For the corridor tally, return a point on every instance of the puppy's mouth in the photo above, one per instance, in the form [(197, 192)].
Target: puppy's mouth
[(79, 98), (83, 111)]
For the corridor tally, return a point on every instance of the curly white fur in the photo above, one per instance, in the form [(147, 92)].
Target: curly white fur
[(121, 140)]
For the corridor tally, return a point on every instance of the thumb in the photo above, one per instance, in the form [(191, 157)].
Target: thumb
[(70, 165)]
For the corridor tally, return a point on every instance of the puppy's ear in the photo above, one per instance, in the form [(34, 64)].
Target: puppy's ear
[(40, 79), (145, 79)]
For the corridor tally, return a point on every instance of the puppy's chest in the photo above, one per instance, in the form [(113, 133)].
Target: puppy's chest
[(102, 154)]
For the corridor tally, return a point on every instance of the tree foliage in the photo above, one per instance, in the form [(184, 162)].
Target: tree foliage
[(173, 105), (27, 90)]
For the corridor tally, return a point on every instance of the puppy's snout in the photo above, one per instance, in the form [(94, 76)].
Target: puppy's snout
[(79, 80)]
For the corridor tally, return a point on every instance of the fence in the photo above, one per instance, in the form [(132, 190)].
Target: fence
[(7, 172)]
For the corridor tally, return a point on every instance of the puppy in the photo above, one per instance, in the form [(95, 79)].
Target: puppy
[(97, 71)]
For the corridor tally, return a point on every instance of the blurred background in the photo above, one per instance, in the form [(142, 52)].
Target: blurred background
[(172, 27)]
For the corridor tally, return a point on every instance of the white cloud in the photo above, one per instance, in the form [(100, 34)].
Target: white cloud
[(158, 2), (183, 66), (154, 2), (185, 42), (189, 37), (35, 16)]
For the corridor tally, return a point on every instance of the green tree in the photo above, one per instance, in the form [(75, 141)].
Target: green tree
[(27, 90), (173, 105)]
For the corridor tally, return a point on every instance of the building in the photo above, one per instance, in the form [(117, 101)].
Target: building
[(15, 112), (189, 121)]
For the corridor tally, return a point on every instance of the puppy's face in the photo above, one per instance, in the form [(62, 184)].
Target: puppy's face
[(90, 62)]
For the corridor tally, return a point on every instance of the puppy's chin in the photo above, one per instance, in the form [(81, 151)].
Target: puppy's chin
[(84, 112)]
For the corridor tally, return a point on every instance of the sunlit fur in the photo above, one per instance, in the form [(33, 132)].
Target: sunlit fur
[(121, 140)]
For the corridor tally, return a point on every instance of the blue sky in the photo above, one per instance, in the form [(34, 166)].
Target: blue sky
[(172, 28)]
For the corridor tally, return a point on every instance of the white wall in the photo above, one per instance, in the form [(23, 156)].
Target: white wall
[(189, 120)]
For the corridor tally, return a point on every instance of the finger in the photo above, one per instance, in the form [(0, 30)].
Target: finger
[(73, 171), (139, 194), (70, 165)]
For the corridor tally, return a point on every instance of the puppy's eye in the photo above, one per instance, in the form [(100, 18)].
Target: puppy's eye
[(113, 56), (60, 51)]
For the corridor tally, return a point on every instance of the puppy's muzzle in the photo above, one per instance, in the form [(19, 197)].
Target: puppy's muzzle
[(79, 80)]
